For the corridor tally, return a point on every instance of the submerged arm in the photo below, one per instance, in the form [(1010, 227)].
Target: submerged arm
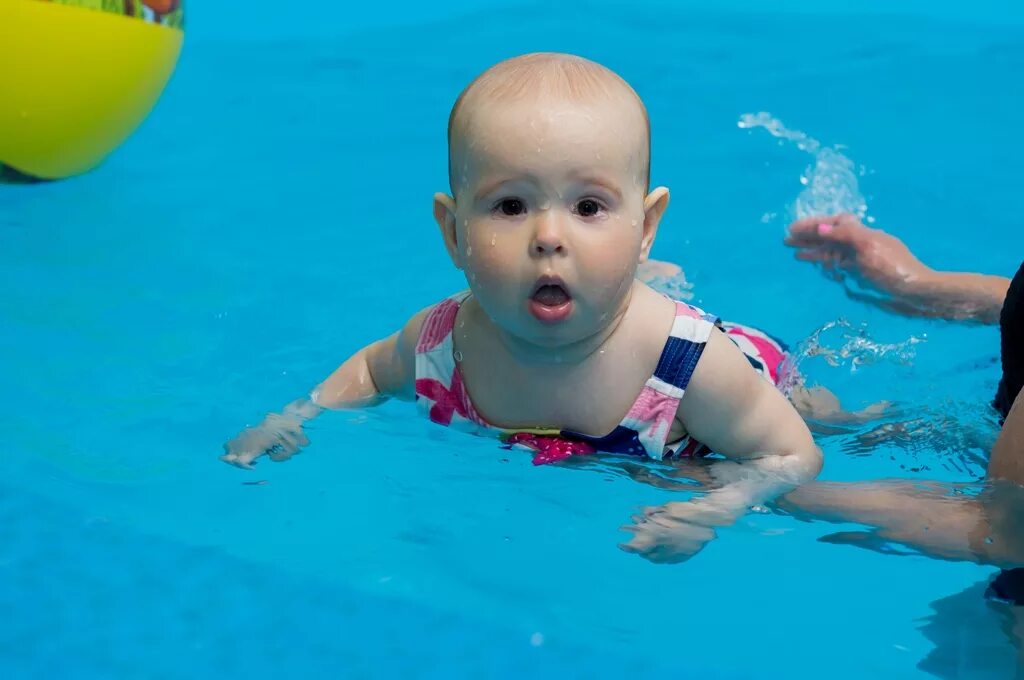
[(738, 414), (926, 516), (369, 377)]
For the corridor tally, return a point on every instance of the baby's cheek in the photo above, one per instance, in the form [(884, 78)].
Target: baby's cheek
[(487, 264), (489, 245), (612, 266)]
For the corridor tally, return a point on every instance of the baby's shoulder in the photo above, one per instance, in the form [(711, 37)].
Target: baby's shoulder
[(431, 325), (668, 319)]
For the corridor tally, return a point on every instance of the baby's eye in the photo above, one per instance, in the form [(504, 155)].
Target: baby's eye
[(510, 207), (588, 207)]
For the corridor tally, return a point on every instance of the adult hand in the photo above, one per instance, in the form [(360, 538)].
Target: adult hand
[(845, 247)]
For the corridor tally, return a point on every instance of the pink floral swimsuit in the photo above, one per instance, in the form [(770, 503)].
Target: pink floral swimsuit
[(441, 393)]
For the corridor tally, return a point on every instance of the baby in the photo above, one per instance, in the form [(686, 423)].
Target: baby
[(556, 346)]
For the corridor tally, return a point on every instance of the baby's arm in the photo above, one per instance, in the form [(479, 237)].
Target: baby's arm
[(384, 369), (738, 414)]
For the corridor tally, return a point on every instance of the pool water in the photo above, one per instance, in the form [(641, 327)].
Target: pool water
[(272, 216)]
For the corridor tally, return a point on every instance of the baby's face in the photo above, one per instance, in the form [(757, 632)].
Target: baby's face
[(550, 215)]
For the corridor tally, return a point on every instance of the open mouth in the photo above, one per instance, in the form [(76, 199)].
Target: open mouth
[(550, 301)]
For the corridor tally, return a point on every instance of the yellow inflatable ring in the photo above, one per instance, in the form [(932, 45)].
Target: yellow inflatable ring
[(76, 79)]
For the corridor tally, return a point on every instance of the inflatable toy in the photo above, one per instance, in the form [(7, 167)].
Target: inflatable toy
[(77, 77)]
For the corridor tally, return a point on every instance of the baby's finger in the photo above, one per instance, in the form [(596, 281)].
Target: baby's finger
[(630, 548), (658, 518), (283, 452), (638, 544), (237, 461), (665, 555), (289, 441)]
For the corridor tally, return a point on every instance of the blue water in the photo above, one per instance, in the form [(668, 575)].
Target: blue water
[(272, 216)]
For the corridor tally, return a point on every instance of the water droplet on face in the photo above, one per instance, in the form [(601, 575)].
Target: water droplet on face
[(469, 251), (494, 237), (544, 205), (457, 355), (634, 223)]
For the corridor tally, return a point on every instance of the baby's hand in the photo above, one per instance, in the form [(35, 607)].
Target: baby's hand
[(844, 246), (675, 532), (279, 436)]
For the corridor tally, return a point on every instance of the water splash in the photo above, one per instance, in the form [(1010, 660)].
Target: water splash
[(830, 183), (840, 343), (932, 433)]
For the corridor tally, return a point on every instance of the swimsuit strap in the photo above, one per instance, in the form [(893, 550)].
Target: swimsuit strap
[(655, 409), (440, 393), (646, 427)]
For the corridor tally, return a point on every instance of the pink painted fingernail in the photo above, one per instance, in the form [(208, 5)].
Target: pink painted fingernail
[(825, 229)]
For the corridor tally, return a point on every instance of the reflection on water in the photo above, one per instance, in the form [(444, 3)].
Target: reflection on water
[(974, 638)]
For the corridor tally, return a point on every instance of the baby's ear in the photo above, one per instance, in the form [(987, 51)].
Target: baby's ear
[(654, 207), (444, 215)]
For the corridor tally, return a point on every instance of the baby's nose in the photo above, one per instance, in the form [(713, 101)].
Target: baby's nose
[(548, 234)]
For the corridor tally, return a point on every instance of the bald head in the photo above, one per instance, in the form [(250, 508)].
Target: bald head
[(546, 76)]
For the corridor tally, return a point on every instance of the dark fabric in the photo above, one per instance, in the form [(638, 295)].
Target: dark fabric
[(1011, 331), (1008, 585)]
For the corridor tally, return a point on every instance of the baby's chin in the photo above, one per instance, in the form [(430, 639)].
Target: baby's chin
[(552, 329), (579, 326)]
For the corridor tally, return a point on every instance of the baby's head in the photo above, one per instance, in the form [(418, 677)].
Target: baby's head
[(550, 214)]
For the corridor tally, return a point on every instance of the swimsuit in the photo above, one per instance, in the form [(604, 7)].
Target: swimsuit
[(442, 397), (1008, 585)]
